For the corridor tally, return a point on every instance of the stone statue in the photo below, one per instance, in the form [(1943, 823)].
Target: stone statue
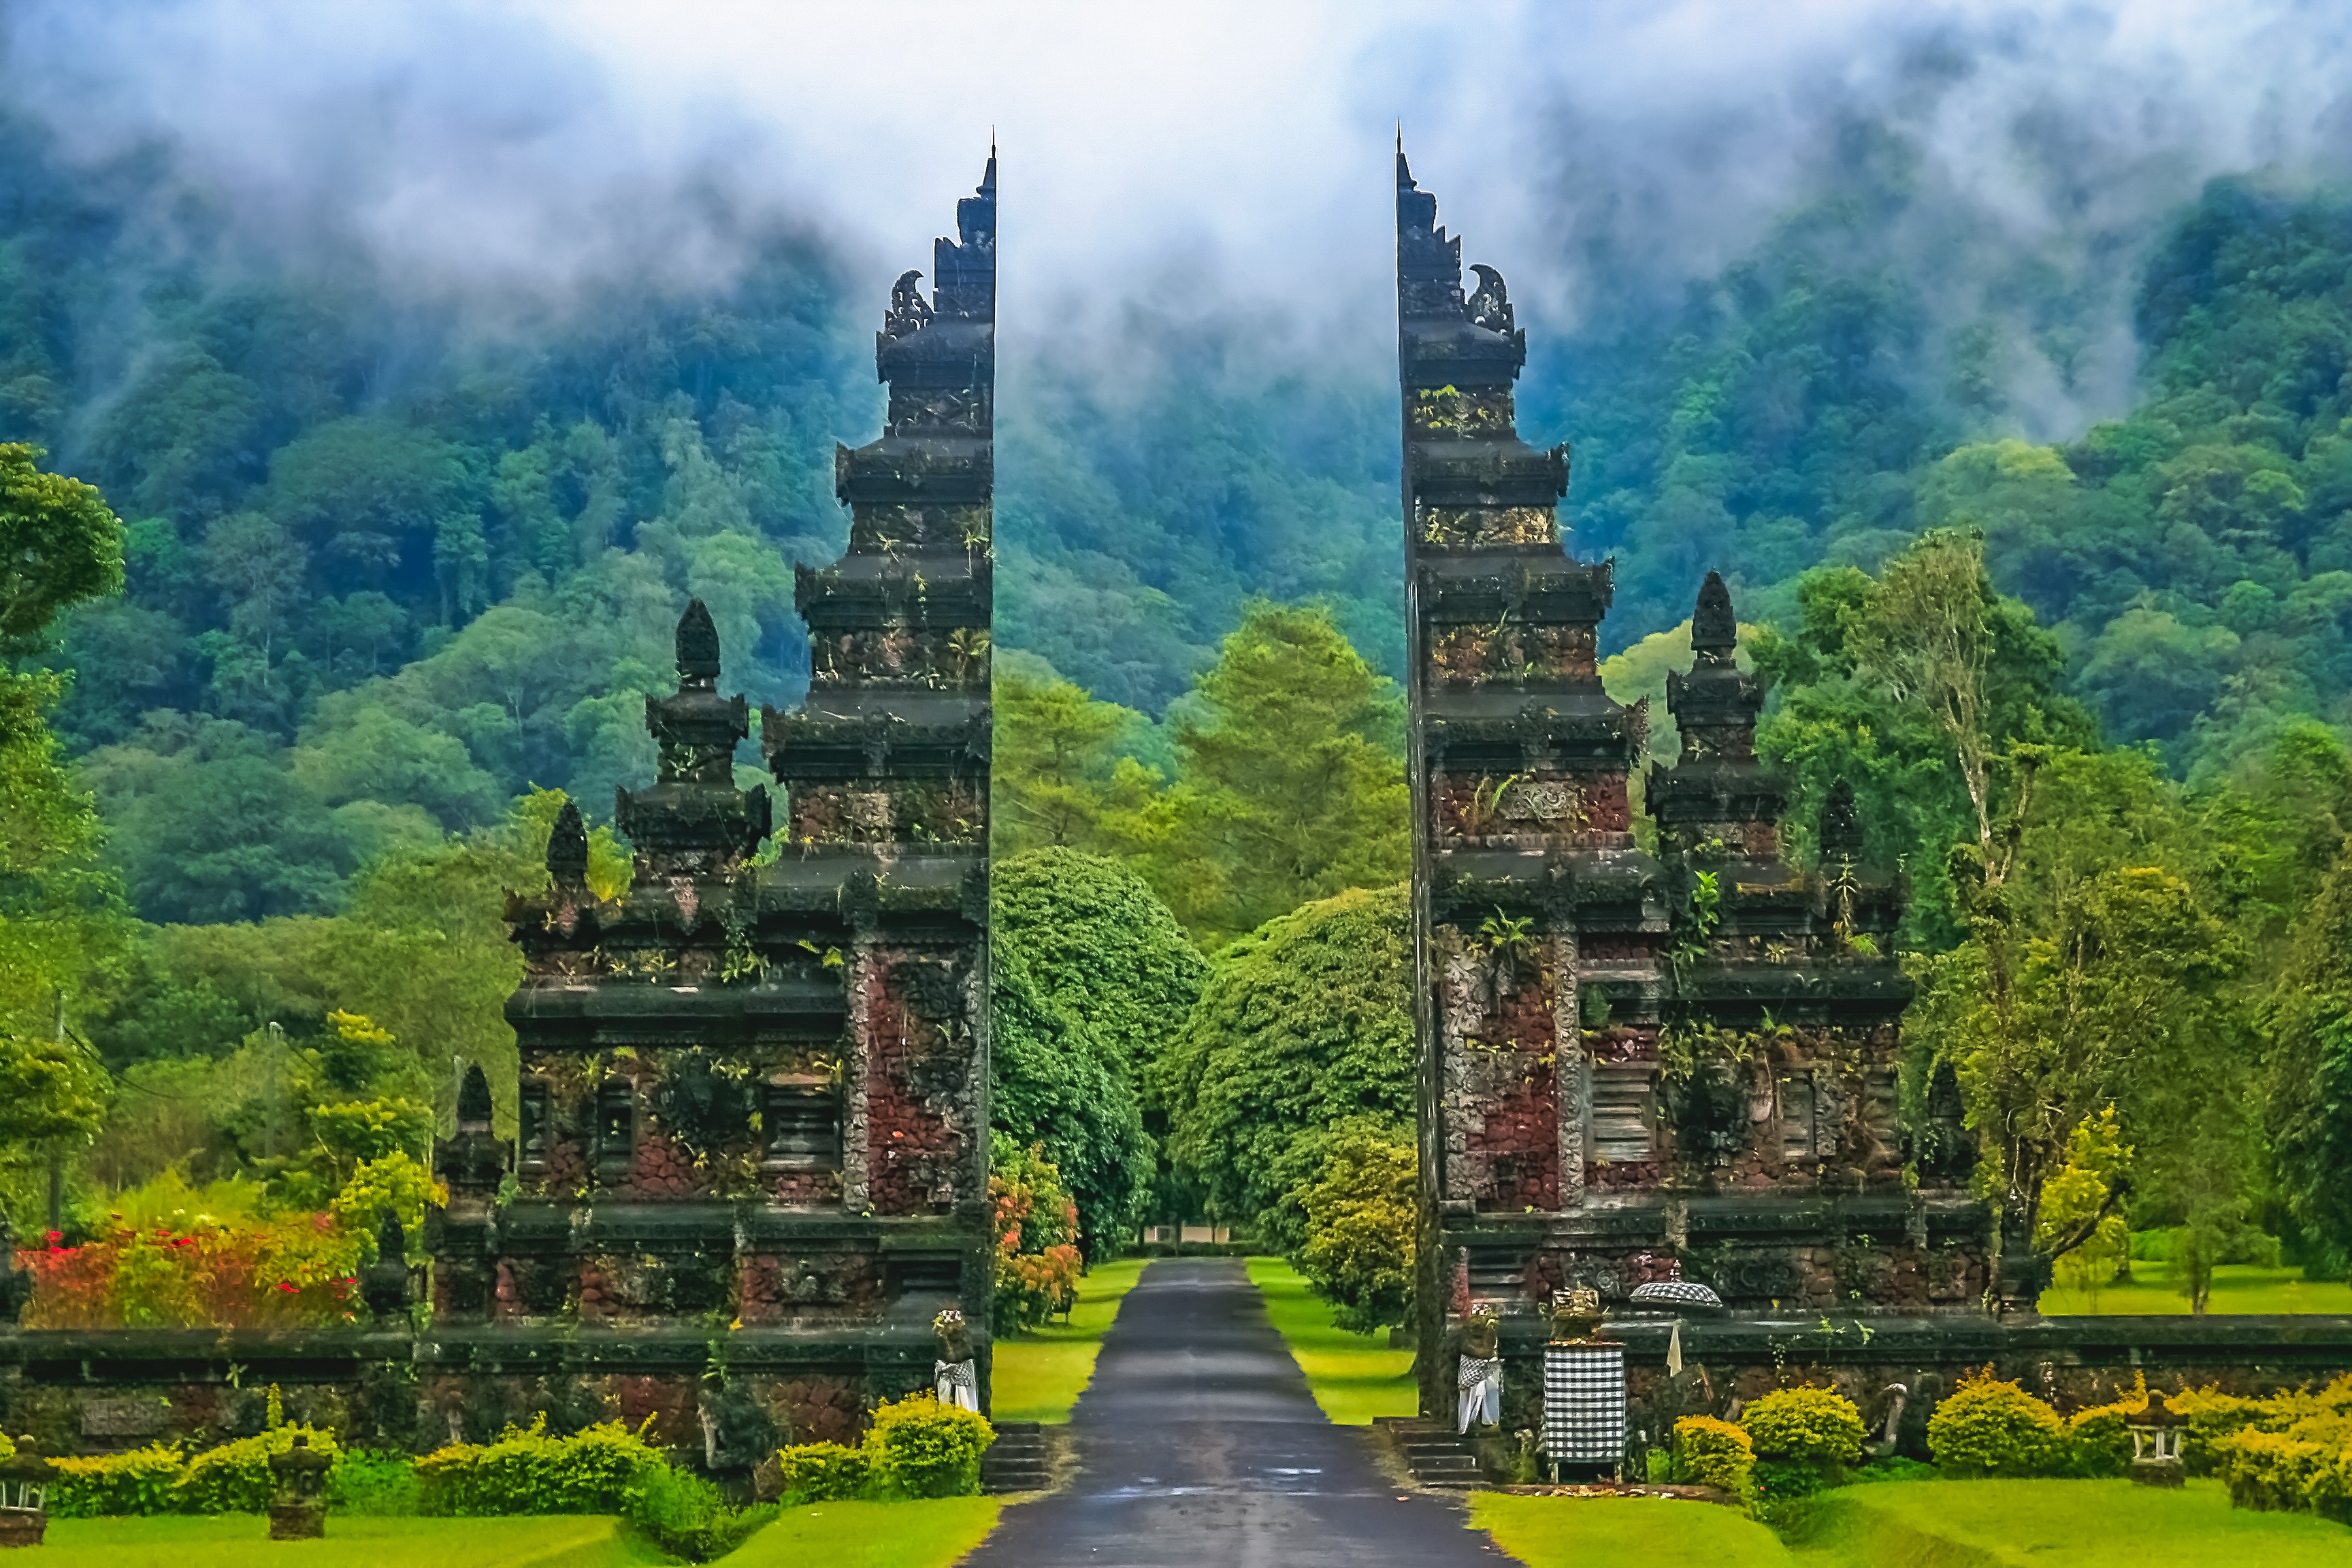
[(955, 1375), (1574, 1314), (1480, 1373), (909, 311), (1490, 307), (298, 1512)]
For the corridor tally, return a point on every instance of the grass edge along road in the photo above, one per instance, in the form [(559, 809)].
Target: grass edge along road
[(1354, 1377), (836, 1534), (1655, 1532), (1039, 1374), (871, 1535), (1947, 1524)]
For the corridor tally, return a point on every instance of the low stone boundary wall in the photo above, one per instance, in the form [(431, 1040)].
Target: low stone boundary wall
[(1901, 1367), (719, 1397)]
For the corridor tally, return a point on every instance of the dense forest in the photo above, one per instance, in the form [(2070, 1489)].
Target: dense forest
[(392, 583)]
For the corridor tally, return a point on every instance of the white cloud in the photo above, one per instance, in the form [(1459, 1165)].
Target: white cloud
[(1171, 156)]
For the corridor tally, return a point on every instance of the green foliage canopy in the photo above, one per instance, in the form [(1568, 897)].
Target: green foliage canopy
[(1304, 1023)]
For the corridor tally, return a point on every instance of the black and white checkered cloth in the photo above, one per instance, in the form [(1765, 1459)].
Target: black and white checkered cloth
[(1584, 1404), (956, 1382)]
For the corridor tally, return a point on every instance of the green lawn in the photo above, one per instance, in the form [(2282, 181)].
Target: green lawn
[(2237, 1288), (1355, 1376), (2079, 1524), (232, 1540), (1652, 1532), (1923, 1524), (1040, 1375), (870, 1535), (835, 1534)]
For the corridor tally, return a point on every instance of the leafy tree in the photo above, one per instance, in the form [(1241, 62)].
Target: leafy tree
[(1102, 948), (1107, 953), (2095, 973), (1360, 1214), (2308, 1077), (1305, 1022), (61, 544), (210, 823), (2082, 1218), (1290, 782), (1057, 1087), (1054, 771), (1835, 716)]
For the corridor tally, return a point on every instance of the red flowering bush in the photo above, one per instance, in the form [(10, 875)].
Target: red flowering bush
[(1037, 1256), (289, 1272)]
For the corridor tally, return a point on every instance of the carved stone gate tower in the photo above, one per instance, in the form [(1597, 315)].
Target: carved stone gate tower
[(751, 1161), (1634, 1060)]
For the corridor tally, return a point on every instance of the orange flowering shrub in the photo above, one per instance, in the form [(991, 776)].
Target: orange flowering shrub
[(292, 1272), (1037, 1259)]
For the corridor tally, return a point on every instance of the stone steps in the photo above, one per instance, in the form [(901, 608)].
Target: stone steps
[(1437, 1455), (1020, 1460)]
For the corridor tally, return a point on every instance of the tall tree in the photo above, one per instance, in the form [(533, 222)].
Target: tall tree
[(1290, 778), (1055, 774), (61, 544), (2096, 976), (2308, 1102), (1305, 1025)]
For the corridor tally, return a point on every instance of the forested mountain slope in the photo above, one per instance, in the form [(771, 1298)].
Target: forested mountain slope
[(389, 566)]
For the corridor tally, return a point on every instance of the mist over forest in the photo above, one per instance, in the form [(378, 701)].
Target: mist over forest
[(432, 364)]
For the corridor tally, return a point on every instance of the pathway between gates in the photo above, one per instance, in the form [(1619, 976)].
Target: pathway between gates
[(1199, 1444)]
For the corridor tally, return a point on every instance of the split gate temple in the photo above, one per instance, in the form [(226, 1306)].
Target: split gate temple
[(1639, 1060), (751, 1155), (753, 1145)]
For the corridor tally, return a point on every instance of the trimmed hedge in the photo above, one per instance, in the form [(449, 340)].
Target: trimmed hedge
[(2099, 1438), (1805, 1438), (142, 1481), (2295, 1457), (526, 1471), (235, 1476), (917, 1447), (1711, 1453), (1988, 1427), (825, 1472)]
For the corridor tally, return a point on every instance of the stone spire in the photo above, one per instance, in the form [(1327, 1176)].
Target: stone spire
[(1715, 630), (694, 820), (567, 852)]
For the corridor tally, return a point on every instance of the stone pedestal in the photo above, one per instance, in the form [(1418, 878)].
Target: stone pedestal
[(297, 1520), (21, 1529)]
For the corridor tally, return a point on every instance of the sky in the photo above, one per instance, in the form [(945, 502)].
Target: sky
[(1203, 157)]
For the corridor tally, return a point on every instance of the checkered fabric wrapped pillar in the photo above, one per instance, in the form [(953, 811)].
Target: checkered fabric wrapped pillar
[(1584, 1404)]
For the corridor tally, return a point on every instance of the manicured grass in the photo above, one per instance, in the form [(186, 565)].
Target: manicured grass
[(1652, 1532), (1354, 1376), (2078, 1524), (2237, 1288), (1039, 1375), (1922, 1524), (870, 1535), (233, 1541)]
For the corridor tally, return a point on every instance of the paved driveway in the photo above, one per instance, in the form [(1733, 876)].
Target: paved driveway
[(1201, 1445)]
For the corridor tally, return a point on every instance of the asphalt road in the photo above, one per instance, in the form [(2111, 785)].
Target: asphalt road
[(1199, 1444)]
